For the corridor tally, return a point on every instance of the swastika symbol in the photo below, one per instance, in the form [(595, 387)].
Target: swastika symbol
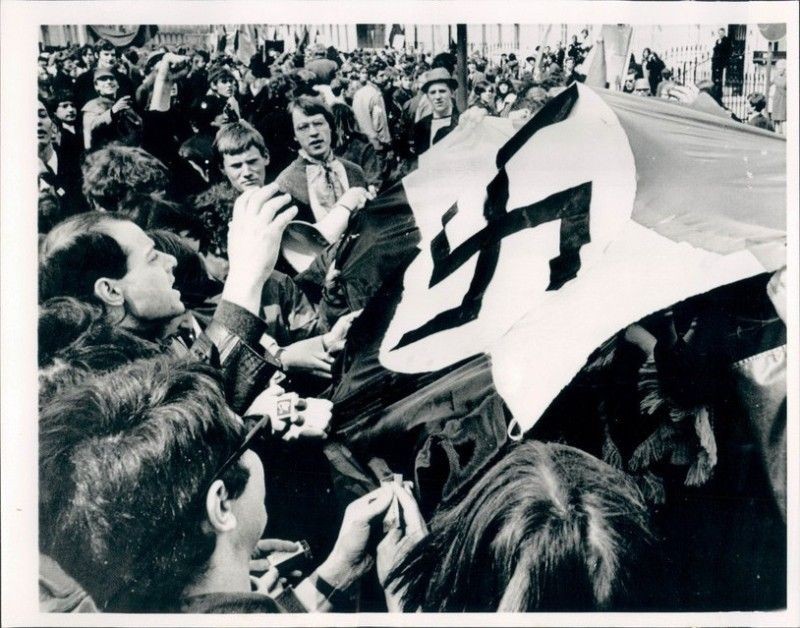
[(570, 206)]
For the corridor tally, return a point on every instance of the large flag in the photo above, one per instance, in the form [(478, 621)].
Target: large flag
[(530, 249)]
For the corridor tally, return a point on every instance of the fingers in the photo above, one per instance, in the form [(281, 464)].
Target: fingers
[(284, 218), (391, 539), (371, 505), (413, 518), (312, 433), (269, 581), (276, 545), (251, 200), (259, 565), (336, 346), (264, 202)]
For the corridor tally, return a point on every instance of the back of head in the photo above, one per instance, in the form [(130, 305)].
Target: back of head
[(76, 341), (114, 173), (444, 60), (75, 254), (345, 122), (125, 459), (61, 321), (103, 44), (548, 527)]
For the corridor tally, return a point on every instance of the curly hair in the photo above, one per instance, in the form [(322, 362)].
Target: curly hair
[(116, 173), (214, 209)]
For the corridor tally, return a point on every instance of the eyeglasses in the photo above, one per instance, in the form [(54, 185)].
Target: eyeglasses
[(259, 425)]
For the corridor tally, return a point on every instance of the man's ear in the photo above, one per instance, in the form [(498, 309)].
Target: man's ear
[(109, 292), (218, 508)]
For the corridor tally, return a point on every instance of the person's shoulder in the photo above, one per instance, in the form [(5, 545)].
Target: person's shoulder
[(424, 120), (96, 105), (288, 171), (229, 603), (352, 169)]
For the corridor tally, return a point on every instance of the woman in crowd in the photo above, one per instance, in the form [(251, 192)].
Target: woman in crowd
[(483, 97), (504, 97)]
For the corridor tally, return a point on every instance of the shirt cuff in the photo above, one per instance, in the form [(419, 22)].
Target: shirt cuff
[(288, 602), (240, 321)]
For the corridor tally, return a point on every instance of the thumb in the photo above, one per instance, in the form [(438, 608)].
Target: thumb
[(372, 504)]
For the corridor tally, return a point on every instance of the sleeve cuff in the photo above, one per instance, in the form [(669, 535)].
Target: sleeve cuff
[(289, 603), (243, 323)]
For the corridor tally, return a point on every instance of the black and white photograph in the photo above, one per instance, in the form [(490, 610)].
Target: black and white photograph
[(400, 314)]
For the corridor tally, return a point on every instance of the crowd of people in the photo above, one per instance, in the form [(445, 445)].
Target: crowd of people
[(184, 355)]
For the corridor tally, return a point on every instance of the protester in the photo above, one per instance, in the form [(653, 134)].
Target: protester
[(326, 189), (195, 556), (353, 146), (439, 88)]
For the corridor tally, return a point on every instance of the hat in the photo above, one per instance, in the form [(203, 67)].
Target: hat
[(438, 75), (218, 73), (101, 72)]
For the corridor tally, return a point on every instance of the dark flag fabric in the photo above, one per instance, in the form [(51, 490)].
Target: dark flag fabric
[(520, 253)]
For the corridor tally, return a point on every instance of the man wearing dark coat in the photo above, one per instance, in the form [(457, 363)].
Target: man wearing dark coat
[(439, 87)]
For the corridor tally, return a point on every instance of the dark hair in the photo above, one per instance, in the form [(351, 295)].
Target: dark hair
[(115, 173), (757, 101), (75, 340), (444, 60), (482, 86), (103, 44), (214, 208), (125, 459), (201, 53), (152, 211), (548, 527), (345, 126), (311, 106), (191, 278), (507, 83), (75, 254), (131, 55), (61, 321)]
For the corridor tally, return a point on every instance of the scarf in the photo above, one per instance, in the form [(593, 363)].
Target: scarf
[(327, 181)]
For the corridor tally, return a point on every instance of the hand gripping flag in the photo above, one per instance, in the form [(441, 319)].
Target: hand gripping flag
[(535, 247)]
